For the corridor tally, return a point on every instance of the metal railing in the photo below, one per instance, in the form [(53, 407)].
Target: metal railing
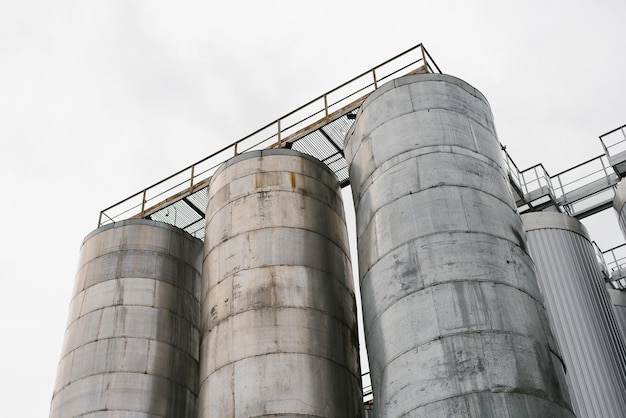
[(614, 142), (515, 175), (537, 179), (366, 384), (601, 261), (589, 184), (318, 112), (615, 261), (578, 190)]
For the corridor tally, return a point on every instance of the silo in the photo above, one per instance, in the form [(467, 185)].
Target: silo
[(618, 299), (132, 343), (279, 317), (580, 312), (454, 319)]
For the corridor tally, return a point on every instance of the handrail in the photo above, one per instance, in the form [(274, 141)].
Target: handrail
[(600, 173), (366, 387), (591, 178), (513, 170), (616, 257), (622, 142), (273, 134), (615, 261), (539, 175)]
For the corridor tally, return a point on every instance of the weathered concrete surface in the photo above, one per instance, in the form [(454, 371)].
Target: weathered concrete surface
[(279, 316), (454, 320), (132, 341)]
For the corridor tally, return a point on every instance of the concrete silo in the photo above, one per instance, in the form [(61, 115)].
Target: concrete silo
[(454, 319), (618, 299), (580, 312), (131, 345), (279, 317)]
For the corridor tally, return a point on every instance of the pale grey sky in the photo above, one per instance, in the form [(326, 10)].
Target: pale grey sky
[(99, 99)]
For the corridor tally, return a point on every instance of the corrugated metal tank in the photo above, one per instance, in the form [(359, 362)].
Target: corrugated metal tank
[(279, 315), (132, 343), (618, 299), (619, 203), (580, 312), (454, 319)]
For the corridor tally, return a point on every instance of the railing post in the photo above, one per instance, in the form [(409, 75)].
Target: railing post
[(424, 58), (523, 184), (375, 81), (100, 220), (326, 105), (537, 177), (236, 143), (606, 174), (143, 202), (562, 188), (279, 133), (191, 179), (606, 149)]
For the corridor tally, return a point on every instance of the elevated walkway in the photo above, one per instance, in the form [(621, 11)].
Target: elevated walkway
[(316, 128), (613, 262), (580, 191)]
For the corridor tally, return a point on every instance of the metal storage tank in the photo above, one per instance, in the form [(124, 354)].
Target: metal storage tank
[(580, 312), (619, 203), (618, 299), (279, 316), (132, 343), (454, 319)]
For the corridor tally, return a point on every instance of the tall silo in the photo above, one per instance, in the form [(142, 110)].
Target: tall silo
[(132, 343), (454, 319), (618, 299), (279, 317), (580, 313)]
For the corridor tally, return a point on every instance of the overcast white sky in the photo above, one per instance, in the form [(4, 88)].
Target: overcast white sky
[(99, 99)]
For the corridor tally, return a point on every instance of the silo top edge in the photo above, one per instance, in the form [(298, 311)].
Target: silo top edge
[(141, 221), (553, 220), (424, 77), (265, 153), (412, 79)]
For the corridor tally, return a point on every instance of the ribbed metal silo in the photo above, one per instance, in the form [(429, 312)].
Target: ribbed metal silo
[(618, 299), (132, 343), (580, 312), (619, 203), (454, 319), (279, 316)]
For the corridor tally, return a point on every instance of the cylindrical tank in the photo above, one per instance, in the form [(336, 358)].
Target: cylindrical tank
[(132, 343), (580, 313), (618, 299), (619, 203), (279, 316), (454, 319)]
